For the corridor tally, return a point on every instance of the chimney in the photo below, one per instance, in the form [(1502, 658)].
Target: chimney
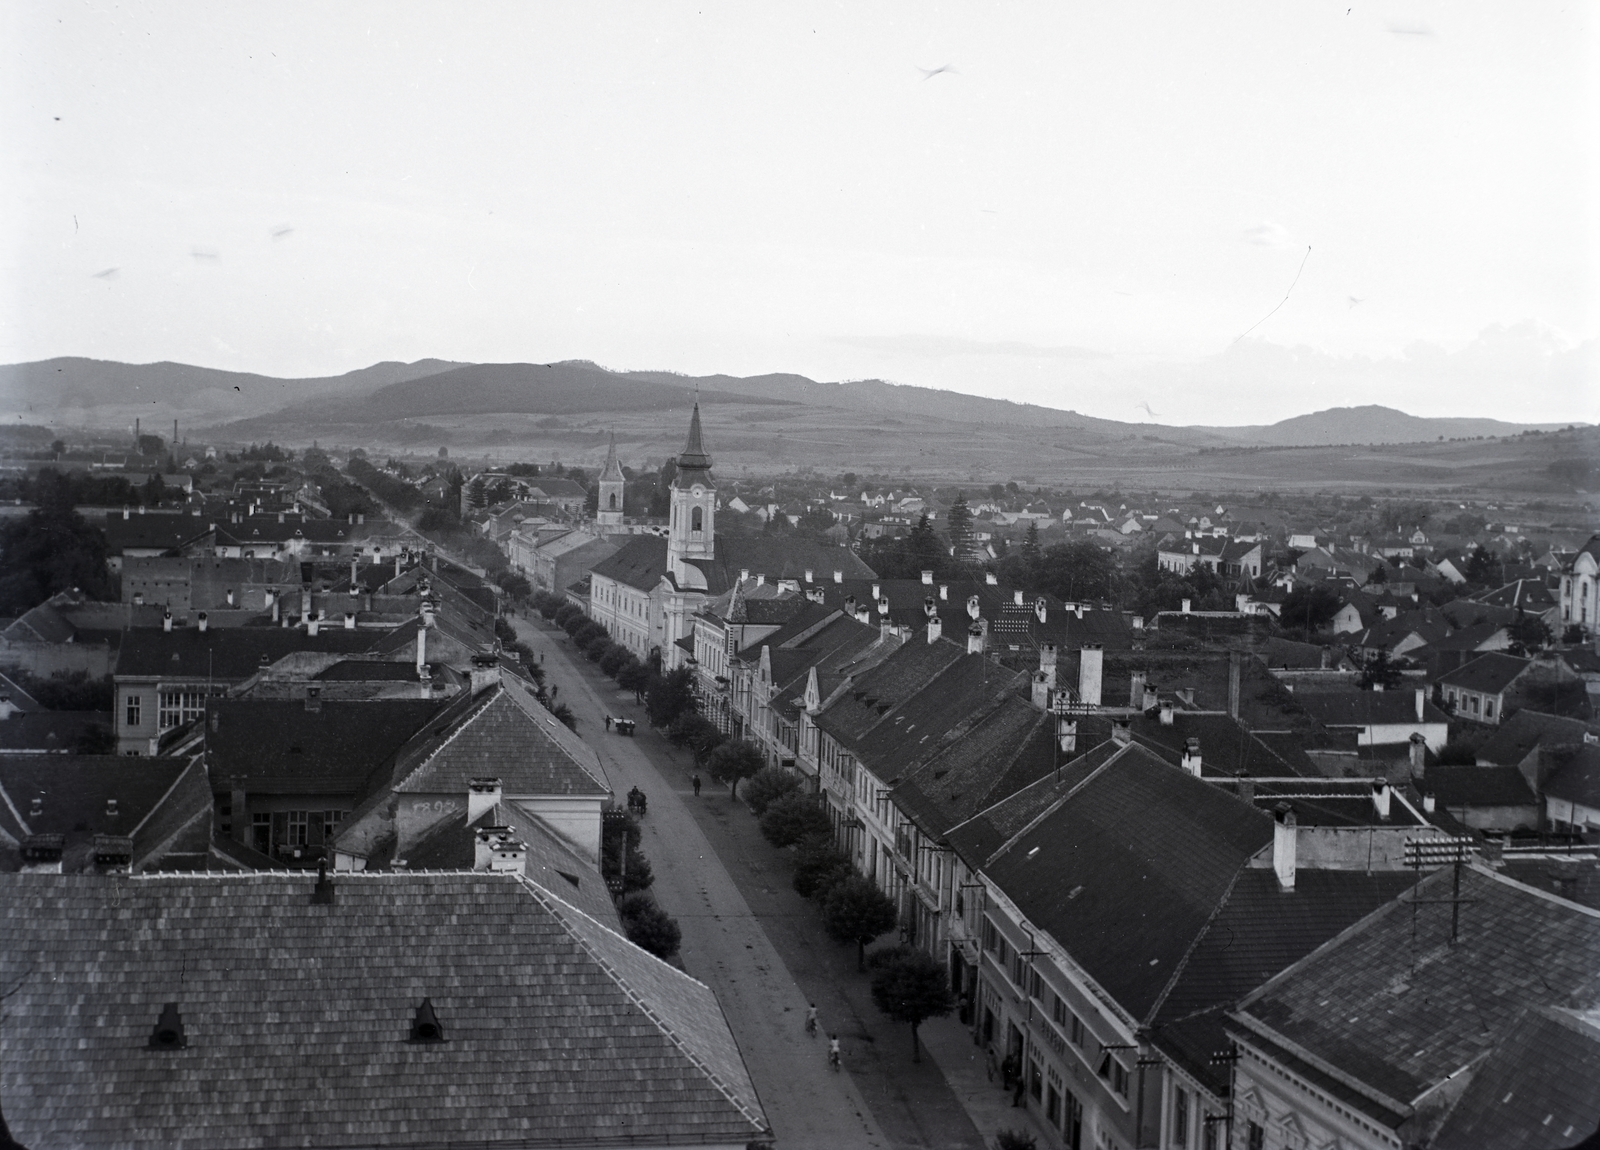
[(1247, 787), (485, 672), (166, 619), (863, 614), (744, 574), (885, 628), (1067, 734), (1186, 606), (1047, 663), (1091, 663), (927, 577), (1121, 733), (883, 605), (427, 613), (422, 651), (944, 591), (1166, 714), (761, 579), (877, 590), (838, 576), (935, 628), (349, 620), (1380, 797), (1191, 756), (1233, 685), (7, 707), (991, 579), (323, 893), (1419, 756), (482, 795), (808, 574), (272, 601), (1136, 690), (124, 510), (314, 699), (1016, 598), (484, 841), (1152, 697), (1284, 835), (1041, 690), (311, 627), (1422, 698), (1428, 803), (975, 639), (1041, 609), (201, 622), (1325, 658), (280, 517)]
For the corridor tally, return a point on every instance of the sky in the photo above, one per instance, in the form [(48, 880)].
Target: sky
[(1174, 212)]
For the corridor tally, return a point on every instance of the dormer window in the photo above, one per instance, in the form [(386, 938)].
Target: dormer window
[(425, 1026)]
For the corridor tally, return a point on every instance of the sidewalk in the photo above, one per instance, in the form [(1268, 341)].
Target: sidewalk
[(987, 1103)]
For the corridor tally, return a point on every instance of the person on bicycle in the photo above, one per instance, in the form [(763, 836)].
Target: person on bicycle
[(811, 1019), (833, 1051)]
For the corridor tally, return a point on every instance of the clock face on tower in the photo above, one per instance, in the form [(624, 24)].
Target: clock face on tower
[(698, 491)]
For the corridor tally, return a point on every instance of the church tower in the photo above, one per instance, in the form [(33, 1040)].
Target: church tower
[(608, 512), (692, 530)]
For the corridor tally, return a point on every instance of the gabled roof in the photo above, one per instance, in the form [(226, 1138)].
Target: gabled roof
[(278, 746), (1467, 786), (639, 563), (908, 670), (41, 624), (1126, 871), (1368, 708), (776, 557), (502, 733), (1578, 779), (557, 1030), (163, 803), (1490, 673), (145, 532), (1393, 1005), (1522, 594)]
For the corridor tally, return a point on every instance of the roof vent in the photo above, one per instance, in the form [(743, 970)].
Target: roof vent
[(168, 1034), (111, 808), (36, 808), (323, 893), (425, 1026)]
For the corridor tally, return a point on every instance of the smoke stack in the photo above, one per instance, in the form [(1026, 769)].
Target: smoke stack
[(1091, 663), (1284, 836), (1233, 684)]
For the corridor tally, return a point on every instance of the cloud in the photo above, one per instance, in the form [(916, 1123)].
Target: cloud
[(1267, 234), (933, 346)]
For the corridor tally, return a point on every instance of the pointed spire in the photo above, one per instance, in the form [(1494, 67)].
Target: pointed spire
[(612, 472), (694, 455)]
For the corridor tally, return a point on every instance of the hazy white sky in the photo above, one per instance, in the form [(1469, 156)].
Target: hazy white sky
[(1087, 208)]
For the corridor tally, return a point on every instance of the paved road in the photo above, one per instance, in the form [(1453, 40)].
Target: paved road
[(724, 944)]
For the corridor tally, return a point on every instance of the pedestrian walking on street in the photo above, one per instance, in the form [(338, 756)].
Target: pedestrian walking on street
[(608, 722), (1019, 1089), (696, 781), (811, 1020)]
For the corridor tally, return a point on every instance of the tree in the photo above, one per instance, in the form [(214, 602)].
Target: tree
[(478, 493), (924, 551), (911, 986), (563, 713), (670, 696), (793, 818), (819, 866), (1380, 674), (1076, 570), (696, 733), (151, 445), (1031, 551), (648, 926), (959, 529), (767, 786), (733, 762), (634, 676), (58, 447), (857, 911), (1309, 608), (50, 550)]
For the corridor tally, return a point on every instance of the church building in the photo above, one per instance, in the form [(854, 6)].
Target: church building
[(647, 593)]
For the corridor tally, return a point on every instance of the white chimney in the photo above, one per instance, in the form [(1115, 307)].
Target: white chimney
[(877, 590), (975, 639), (808, 574), (1152, 698), (1428, 803), (201, 622), (1047, 663), (349, 620), (1091, 664), (1422, 699), (883, 605), (311, 627), (124, 512), (230, 596), (1136, 689), (138, 598), (1121, 733), (482, 795), (1041, 608), (944, 591), (485, 672), (991, 579), (927, 578), (838, 576), (1016, 598), (166, 620), (935, 628), (761, 579), (1166, 714), (1186, 606), (422, 651), (1067, 734), (1284, 836), (1380, 796), (1041, 690), (863, 614), (1191, 757), (484, 842)]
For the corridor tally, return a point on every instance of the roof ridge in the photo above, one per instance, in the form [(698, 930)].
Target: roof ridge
[(1055, 806), (1194, 944), (678, 1041), (461, 721)]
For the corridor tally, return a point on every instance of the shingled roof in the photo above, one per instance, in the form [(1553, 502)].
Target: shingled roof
[(557, 1030), (267, 745), (639, 563), (1490, 674)]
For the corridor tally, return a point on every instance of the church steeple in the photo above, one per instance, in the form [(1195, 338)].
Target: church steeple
[(608, 510), (692, 531)]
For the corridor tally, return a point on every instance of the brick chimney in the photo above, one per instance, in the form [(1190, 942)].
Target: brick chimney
[(1191, 756), (1380, 797), (1091, 666), (1047, 663), (1284, 836), (485, 672), (482, 795)]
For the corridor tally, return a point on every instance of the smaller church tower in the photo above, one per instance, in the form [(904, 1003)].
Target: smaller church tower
[(692, 530), (608, 512)]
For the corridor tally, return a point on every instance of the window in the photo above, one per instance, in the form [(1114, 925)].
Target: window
[(1212, 1138), (1077, 1030), (1058, 1009), (1255, 1136), (1052, 1103), (1488, 708), (696, 520), (1035, 1081), (1033, 983), (134, 704), (1072, 1123), (299, 828), (175, 708), (1019, 971), (1474, 700), (1119, 1078), (1180, 1117)]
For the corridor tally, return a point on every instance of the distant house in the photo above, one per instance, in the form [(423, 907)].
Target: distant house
[(1572, 793), (1477, 690), (1580, 588)]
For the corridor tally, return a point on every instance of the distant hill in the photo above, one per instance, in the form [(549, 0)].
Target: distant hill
[(1369, 424)]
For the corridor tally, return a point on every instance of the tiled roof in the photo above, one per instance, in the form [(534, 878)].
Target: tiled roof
[(56, 732), (1393, 1004), (557, 1030), (142, 532), (1226, 745), (776, 557), (1536, 1090), (639, 563), (850, 716), (1526, 731), (985, 832), (1462, 786), (1127, 870), (1368, 708), (277, 745), (226, 655), (971, 686), (1569, 876), (504, 734), (163, 803), (1578, 779), (1490, 674), (368, 671)]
